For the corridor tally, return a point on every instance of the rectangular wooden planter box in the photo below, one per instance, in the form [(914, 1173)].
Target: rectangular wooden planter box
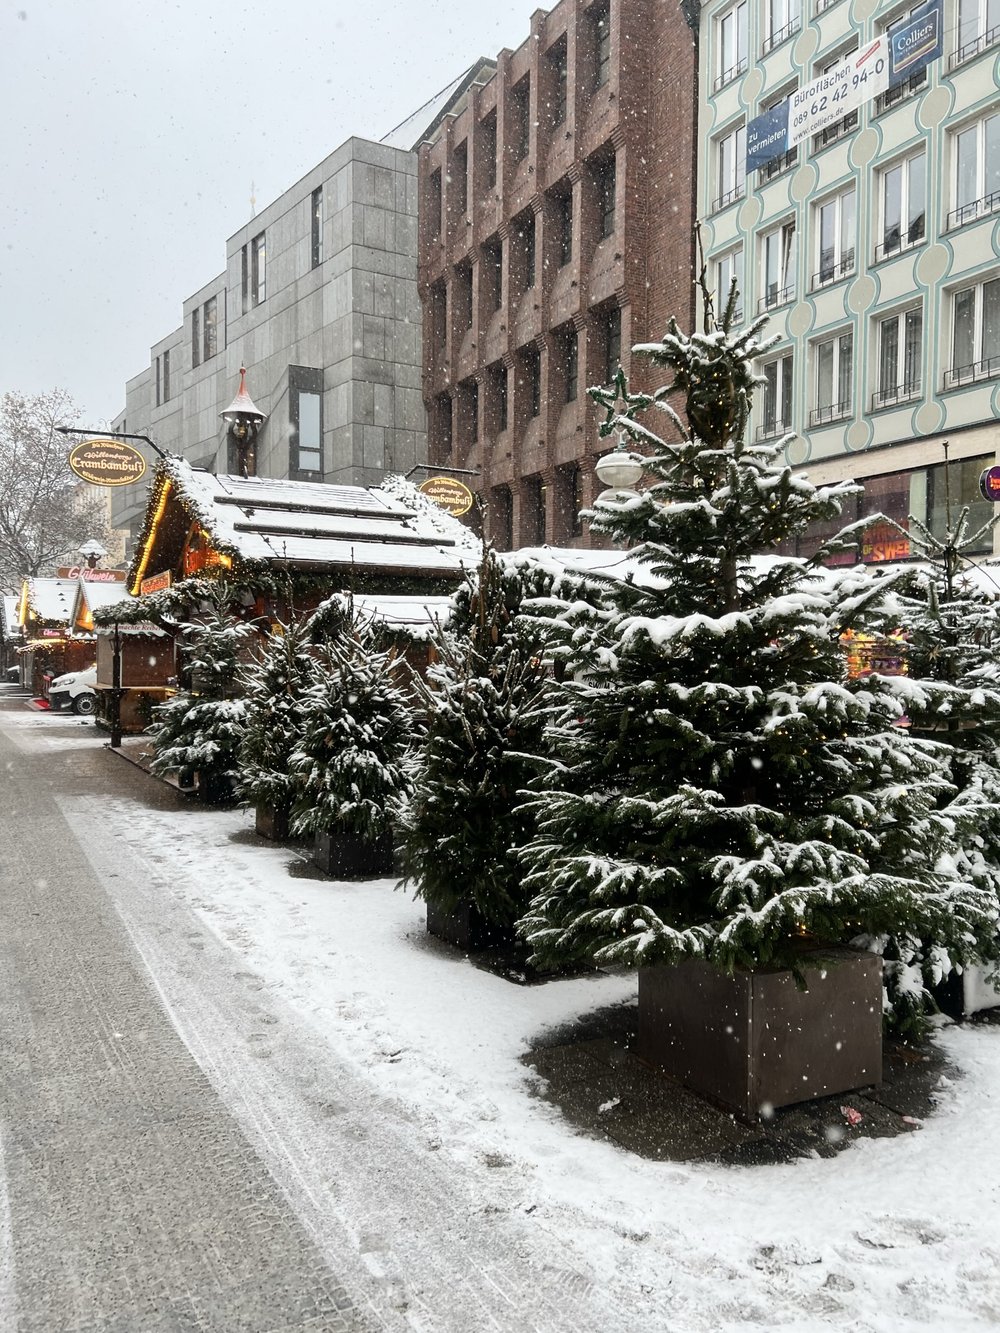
[(467, 929), (351, 857), (754, 1039), (271, 821)]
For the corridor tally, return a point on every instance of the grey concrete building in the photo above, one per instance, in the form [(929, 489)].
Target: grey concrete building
[(319, 301)]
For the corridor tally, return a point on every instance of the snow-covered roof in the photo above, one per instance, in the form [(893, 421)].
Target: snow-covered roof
[(411, 613), (51, 599), (95, 595), (316, 524)]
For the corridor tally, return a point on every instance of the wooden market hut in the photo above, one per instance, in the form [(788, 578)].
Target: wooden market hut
[(45, 615)]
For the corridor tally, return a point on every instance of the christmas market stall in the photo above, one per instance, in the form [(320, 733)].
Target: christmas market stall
[(10, 638), (45, 615)]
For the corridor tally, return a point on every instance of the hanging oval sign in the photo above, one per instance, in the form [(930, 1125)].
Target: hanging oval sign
[(107, 462), (989, 484), (449, 493)]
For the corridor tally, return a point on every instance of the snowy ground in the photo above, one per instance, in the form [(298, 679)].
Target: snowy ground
[(892, 1234)]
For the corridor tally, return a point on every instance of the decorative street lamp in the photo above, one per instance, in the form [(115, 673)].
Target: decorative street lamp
[(244, 420), (619, 471)]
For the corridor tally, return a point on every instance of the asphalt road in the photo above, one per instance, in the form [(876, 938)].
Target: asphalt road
[(178, 1151)]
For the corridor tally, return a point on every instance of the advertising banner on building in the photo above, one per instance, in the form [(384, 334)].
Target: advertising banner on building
[(856, 80)]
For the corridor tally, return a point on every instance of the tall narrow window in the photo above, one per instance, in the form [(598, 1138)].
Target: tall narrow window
[(777, 397), (836, 230), (529, 251), (612, 344), (899, 349), (976, 334), (564, 227), (460, 175), (834, 361), (907, 85), (159, 384), (492, 274), (434, 203), (500, 390), (731, 155), (558, 74), (520, 114), (606, 187), (904, 202), (533, 369), (778, 257), (729, 269), (572, 365), (488, 149), (210, 328), (602, 45), (317, 226), (305, 409), (978, 28), (166, 376), (196, 336), (732, 45), (783, 19), (258, 255), (245, 278)]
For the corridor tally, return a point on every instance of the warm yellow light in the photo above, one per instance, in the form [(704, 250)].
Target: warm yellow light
[(147, 549)]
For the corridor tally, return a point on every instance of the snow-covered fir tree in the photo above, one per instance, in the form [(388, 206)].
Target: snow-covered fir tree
[(353, 762), (722, 789), (480, 748), (200, 727), (950, 608), (276, 686)]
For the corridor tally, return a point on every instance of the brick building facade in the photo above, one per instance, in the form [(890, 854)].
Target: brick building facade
[(556, 220)]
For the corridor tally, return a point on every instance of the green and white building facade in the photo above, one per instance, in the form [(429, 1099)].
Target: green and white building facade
[(871, 235)]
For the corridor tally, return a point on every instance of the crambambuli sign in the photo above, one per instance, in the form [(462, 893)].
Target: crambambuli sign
[(107, 462)]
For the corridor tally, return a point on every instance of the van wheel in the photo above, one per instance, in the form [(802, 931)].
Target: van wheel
[(85, 705)]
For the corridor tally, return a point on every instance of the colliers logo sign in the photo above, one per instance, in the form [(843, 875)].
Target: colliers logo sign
[(107, 463)]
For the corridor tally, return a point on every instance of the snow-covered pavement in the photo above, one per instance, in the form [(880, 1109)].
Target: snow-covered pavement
[(378, 1076)]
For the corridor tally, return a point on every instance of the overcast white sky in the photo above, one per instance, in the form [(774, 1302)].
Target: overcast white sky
[(130, 134)]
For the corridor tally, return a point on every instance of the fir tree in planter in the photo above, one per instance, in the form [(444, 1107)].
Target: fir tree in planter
[(483, 734), (723, 793), (950, 608), (276, 688), (197, 732), (352, 765)]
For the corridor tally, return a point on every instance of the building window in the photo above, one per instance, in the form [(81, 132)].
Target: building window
[(434, 202), (159, 386), (778, 260), (305, 421), (442, 420), (777, 397), (572, 363), (899, 346), (258, 254), (558, 75), (196, 337), (460, 175), (732, 45), (463, 297), (978, 28), (605, 177), (729, 269), (788, 158), (528, 238), (501, 518), (569, 502), (835, 228), (899, 92), (783, 18), (834, 363), (468, 406), (846, 123), (210, 328), (488, 149), (245, 278), (498, 386), (975, 334), (532, 492), (316, 215), (564, 227), (533, 377), (731, 157), (602, 45), (520, 111), (976, 156), (493, 273), (950, 489), (612, 344), (903, 202)]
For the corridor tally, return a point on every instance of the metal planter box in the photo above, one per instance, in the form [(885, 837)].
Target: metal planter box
[(350, 857), (271, 821), (467, 928), (755, 1039)]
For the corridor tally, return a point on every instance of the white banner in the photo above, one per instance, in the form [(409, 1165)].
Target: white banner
[(856, 79)]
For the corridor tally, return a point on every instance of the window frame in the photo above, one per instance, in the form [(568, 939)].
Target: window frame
[(601, 20), (787, 258), (731, 186), (258, 269), (885, 249), (981, 367), (777, 423), (823, 413), (986, 34), (907, 389), (304, 382), (728, 72), (316, 227), (732, 259), (845, 258), (984, 202)]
